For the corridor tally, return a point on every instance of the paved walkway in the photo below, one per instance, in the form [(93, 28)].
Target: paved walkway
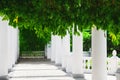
[(42, 70)]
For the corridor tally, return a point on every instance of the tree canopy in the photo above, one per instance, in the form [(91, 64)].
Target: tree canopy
[(58, 16), (30, 42)]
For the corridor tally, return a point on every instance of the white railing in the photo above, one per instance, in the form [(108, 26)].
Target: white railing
[(32, 54), (87, 64), (112, 64)]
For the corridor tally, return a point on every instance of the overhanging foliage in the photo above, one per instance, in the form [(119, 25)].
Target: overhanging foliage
[(30, 42), (57, 16)]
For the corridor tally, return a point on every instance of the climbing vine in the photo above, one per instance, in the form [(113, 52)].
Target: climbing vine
[(57, 16)]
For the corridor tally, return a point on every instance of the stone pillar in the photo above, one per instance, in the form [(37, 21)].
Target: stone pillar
[(12, 46), (69, 63), (53, 48), (58, 51), (15, 37), (99, 54), (10, 53), (77, 68), (18, 50), (45, 56), (3, 50), (48, 51), (66, 50), (63, 54)]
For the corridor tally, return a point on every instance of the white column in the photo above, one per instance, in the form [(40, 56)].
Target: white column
[(17, 56), (48, 51), (15, 37), (13, 46), (53, 48), (99, 54), (10, 48), (58, 50), (77, 68), (45, 51), (69, 63), (68, 56), (3, 49), (66, 50), (63, 54)]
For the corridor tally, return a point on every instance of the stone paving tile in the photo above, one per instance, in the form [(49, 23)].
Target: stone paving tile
[(43, 70), (38, 71)]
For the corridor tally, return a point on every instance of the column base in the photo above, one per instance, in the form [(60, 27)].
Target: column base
[(69, 72), (13, 65), (57, 64), (63, 69), (78, 76), (4, 78), (10, 70), (17, 61), (52, 61), (48, 59)]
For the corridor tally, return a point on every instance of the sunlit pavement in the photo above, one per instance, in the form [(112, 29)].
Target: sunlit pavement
[(42, 70)]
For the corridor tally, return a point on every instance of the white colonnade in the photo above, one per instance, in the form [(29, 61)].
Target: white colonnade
[(60, 49), (9, 46), (99, 54)]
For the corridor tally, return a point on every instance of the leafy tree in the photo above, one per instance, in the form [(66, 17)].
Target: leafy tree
[(86, 40), (112, 44), (57, 16), (30, 42)]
